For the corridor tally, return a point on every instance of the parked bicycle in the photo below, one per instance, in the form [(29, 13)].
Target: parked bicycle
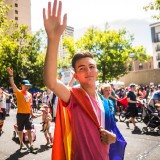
[(125, 114)]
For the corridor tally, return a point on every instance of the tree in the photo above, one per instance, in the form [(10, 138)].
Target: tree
[(21, 50), (154, 6), (4, 9), (111, 49)]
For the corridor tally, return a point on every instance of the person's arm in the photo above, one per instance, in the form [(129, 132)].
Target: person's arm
[(54, 29), (8, 95), (113, 97), (131, 101), (11, 79)]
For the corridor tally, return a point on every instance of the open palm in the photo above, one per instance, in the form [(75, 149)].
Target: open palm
[(10, 71), (52, 22)]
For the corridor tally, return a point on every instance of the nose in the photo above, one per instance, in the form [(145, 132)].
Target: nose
[(88, 69)]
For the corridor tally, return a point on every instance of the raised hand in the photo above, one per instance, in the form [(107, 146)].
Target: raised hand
[(10, 71), (52, 22)]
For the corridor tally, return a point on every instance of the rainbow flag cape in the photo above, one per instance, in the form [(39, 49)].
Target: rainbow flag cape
[(62, 144)]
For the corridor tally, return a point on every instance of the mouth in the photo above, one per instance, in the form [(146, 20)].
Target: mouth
[(89, 77)]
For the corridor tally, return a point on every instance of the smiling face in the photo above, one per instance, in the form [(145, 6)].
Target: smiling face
[(86, 71), (106, 90)]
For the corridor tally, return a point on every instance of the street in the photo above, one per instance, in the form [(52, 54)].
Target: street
[(139, 146)]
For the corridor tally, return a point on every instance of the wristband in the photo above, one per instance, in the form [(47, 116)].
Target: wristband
[(11, 76)]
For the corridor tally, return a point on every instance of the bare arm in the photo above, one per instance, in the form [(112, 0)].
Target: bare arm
[(54, 29), (11, 79), (7, 94)]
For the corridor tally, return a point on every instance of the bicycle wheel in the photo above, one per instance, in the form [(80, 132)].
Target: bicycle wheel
[(122, 117), (139, 118)]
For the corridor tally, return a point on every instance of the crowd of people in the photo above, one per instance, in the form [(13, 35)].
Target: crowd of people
[(26, 104)]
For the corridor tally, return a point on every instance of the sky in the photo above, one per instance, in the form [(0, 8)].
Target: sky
[(86, 13), (83, 13)]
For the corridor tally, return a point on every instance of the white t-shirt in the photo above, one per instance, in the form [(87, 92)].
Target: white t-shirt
[(3, 101), (55, 107)]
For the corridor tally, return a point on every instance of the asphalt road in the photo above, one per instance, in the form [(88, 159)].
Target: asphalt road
[(139, 146)]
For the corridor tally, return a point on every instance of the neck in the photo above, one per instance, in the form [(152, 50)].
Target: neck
[(106, 97), (91, 91)]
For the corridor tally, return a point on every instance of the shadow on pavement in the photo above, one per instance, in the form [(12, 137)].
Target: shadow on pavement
[(152, 133), (43, 148), (137, 132), (18, 154), (15, 140)]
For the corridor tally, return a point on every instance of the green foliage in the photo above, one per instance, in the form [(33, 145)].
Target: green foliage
[(111, 50), (63, 63), (21, 50), (154, 6), (4, 9)]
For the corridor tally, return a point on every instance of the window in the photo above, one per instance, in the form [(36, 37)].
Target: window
[(157, 47), (158, 56), (16, 18), (16, 4), (16, 11), (140, 66)]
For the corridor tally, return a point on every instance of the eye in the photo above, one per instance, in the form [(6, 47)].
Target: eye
[(81, 69), (92, 66)]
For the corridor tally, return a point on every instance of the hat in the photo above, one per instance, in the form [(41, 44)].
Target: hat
[(26, 83), (132, 85), (44, 107)]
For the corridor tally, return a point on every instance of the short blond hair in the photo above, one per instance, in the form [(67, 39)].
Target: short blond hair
[(105, 85)]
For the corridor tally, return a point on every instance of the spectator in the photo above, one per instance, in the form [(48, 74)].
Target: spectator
[(156, 95), (132, 109), (106, 92), (24, 112), (9, 99), (114, 98), (2, 108), (46, 124)]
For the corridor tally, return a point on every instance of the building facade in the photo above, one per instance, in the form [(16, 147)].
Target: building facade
[(20, 12), (138, 65), (155, 35), (69, 32)]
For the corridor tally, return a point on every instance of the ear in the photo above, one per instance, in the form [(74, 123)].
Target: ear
[(102, 91), (75, 76)]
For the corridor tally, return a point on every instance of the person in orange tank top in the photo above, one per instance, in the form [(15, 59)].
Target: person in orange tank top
[(24, 112)]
